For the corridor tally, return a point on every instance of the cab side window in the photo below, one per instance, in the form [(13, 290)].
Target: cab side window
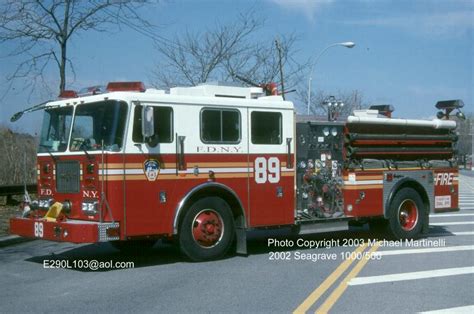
[(220, 126), (266, 127), (163, 124)]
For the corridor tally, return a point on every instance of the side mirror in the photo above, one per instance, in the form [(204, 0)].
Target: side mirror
[(148, 126), (148, 122)]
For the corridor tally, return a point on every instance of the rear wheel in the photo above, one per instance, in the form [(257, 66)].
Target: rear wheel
[(207, 229), (406, 214)]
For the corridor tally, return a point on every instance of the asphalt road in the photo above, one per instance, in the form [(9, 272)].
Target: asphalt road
[(430, 277)]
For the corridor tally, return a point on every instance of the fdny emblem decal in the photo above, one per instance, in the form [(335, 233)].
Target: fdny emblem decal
[(151, 168)]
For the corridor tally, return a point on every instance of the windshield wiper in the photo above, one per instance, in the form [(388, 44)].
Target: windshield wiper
[(55, 158), (84, 149)]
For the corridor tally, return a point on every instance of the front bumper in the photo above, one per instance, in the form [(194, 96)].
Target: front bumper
[(75, 231)]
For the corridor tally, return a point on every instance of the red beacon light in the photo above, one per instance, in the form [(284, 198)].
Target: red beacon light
[(270, 89), (67, 94), (126, 87)]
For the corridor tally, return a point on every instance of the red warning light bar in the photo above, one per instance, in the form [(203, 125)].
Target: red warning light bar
[(126, 87), (68, 94)]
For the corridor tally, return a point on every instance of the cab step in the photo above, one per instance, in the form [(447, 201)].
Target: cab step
[(322, 227)]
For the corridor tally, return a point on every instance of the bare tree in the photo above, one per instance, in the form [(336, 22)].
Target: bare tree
[(352, 100), (15, 147), (42, 30), (226, 52)]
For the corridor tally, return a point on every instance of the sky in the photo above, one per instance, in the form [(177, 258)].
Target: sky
[(408, 53)]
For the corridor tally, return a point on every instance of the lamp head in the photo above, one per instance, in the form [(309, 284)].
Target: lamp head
[(348, 44), (460, 115)]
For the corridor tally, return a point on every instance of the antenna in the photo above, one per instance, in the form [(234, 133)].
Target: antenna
[(278, 46)]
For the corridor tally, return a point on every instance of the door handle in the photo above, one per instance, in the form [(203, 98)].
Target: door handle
[(180, 152), (288, 155)]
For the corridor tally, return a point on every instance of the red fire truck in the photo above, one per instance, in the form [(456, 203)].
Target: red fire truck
[(205, 164)]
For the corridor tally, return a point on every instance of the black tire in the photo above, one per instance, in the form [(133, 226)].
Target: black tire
[(407, 214), (134, 247), (207, 230)]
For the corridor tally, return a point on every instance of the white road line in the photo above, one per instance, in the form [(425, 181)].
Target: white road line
[(425, 250), (450, 215), (464, 233), (412, 276), (458, 310), (452, 223)]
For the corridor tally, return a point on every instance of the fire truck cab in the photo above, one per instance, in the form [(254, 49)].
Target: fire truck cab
[(205, 164)]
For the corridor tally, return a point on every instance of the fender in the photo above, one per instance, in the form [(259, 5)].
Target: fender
[(240, 223), (410, 182)]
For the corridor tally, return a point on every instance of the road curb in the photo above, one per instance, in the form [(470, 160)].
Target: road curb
[(11, 240)]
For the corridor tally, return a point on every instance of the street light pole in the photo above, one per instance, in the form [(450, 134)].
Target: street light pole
[(347, 44)]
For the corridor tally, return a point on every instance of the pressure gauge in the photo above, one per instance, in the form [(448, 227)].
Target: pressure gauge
[(302, 164), (318, 164), (310, 164), (333, 131), (302, 139), (326, 131)]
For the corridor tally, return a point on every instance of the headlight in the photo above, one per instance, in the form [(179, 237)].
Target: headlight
[(45, 203), (326, 131), (90, 208), (333, 131)]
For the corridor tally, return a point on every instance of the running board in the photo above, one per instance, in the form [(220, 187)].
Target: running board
[(322, 227)]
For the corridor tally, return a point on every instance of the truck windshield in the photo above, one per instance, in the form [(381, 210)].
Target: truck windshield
[(97, 123), (55, 131)]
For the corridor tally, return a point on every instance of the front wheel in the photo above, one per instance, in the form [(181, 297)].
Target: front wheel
[(207, 229), (406, 214)]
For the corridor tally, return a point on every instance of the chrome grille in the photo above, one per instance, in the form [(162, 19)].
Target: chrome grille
[(67, 176)]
